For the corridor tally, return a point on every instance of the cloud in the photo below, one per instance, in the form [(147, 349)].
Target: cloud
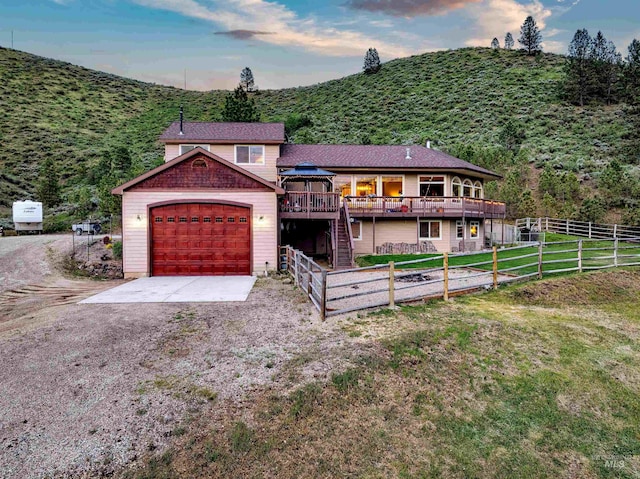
[(494, 18), (288, 29), (409, 8), (243, 34)]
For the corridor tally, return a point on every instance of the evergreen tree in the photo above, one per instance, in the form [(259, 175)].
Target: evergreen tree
[(549, 205), (508, 41), (371, 61), (527, 205), (578, 71), (512, 135), (530, 36), (239, 107), (495, 44), (548, 182), (605, 62), (593, 210), (49, 185), (632, 73), (246, 79), (120, 160)]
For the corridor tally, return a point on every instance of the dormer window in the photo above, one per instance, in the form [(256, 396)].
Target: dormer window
[(250, 154), (185, 148)]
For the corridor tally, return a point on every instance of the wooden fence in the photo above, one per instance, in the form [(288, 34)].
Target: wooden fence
[(446, 275), (579, 228)]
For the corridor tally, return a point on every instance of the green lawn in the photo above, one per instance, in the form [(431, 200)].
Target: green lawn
[(562, 248)]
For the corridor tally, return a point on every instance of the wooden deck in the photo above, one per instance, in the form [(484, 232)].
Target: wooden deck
[(327, 206)]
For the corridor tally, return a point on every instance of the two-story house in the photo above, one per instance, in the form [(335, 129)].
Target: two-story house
[(229, 194)]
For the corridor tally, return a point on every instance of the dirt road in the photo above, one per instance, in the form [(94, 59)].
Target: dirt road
[(88, 389)]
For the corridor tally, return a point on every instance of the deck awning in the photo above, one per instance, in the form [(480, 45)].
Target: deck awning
[(306, 171)]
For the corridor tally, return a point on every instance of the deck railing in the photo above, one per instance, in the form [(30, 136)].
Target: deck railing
[(425, 206), (305, 202)]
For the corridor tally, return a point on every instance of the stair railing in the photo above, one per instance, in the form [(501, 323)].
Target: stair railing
[(347, 219)]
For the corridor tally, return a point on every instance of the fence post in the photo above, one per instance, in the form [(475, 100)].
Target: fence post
[(589, 229), (579, 256), (567, 228), (309, 278), (445, 264), (615, 252), (540, 260), (615, 231), (296, 267), (323, 296), (546, 223), (392, 299), (495, 267)]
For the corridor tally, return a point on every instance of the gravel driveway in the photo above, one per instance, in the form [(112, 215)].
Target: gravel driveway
[(88, 388)]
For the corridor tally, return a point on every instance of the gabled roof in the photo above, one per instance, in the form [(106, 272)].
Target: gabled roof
[(207, 132), (378, 157), (190, 154)]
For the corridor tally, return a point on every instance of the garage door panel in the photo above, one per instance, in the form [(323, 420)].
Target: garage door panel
[(200, 239)]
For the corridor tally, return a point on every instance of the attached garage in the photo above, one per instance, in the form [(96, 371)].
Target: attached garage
[(199, 215), (200, 239)]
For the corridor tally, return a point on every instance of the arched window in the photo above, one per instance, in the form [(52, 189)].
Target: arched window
[(477, 190), (456, 187), (467, 188), (199, 163)]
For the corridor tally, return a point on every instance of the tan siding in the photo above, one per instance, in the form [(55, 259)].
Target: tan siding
[(411, 185), (267, 171), (136, 233), (403, 231), (171, 152), (365, 245)]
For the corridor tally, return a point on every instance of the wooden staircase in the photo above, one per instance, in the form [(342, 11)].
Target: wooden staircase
[(344, 255)]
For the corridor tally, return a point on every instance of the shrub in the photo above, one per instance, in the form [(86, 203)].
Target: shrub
[(117, 249)]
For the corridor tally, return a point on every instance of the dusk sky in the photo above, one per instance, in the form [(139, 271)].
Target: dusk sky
[(286, 43)]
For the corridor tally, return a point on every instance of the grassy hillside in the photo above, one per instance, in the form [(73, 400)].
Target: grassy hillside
[(55, 109)]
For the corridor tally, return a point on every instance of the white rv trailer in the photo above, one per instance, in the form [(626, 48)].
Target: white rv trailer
[(27, 215)]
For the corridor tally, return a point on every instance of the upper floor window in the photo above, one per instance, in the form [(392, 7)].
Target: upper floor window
[(456, 187), (431, 186), (250, 154), (467, 189), (477, 190), (185, 148)]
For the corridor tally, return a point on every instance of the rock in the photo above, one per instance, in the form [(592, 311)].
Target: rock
[(287, 281)]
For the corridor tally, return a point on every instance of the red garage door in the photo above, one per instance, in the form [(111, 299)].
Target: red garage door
[(200, 239)]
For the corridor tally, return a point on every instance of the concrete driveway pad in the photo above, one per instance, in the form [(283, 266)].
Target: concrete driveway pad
[(178, 289)]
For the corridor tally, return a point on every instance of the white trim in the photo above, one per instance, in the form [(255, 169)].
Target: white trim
[(459, 183), (193, 146), (460, 223), (477, 186), (380, 192), (235, 154), (471, 224), (430, 221)]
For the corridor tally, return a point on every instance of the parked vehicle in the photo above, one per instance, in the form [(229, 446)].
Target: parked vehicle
[(88, 227), (27, 216)]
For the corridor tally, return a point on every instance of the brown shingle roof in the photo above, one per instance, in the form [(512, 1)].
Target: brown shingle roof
[(375, 157), (224, 132)]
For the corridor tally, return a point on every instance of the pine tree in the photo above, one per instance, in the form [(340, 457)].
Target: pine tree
[(120, 161), (530, 36), (605, 63), (527, 205), (246, 79), (632, 73), (49, 186), (371, 61), (512, 135), (239, 107), (495, 44), (578, 70), (508, 41)]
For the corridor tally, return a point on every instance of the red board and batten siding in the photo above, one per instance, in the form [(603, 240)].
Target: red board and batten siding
[(200, 239)]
